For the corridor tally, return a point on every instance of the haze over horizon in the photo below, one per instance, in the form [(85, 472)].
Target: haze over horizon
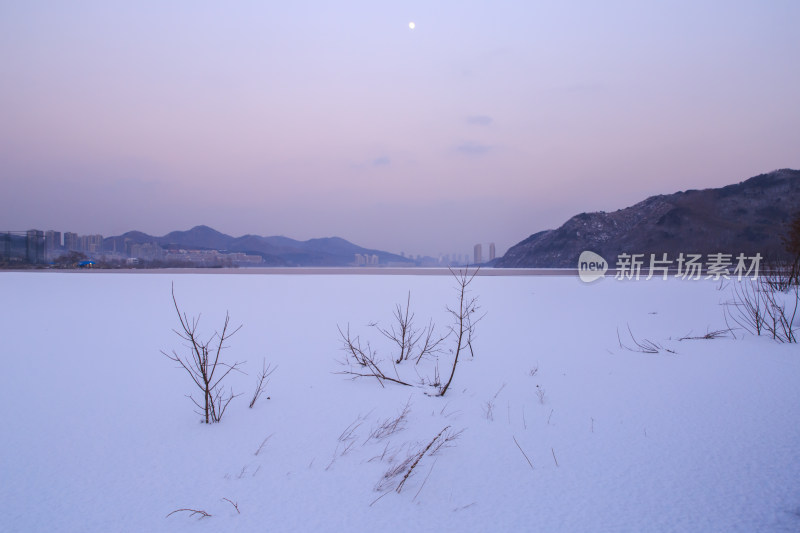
[(485, 123)]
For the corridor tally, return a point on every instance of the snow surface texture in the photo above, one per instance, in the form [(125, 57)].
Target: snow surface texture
[(97, 434)]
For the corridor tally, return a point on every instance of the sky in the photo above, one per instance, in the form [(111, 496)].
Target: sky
[(487, 122)]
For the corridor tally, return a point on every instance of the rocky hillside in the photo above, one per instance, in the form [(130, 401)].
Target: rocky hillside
[(747, 217)]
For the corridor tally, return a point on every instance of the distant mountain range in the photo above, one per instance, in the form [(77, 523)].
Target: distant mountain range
[(748, 217), (276, 251)]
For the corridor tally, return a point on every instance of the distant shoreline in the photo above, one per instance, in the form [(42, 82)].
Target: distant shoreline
[(351, 271)]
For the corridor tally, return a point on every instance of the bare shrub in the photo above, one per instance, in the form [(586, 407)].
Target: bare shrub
[(781, 312), (746, 306), (761, 307), (791, 241), (362, 360), (779, 275), (203, 364)]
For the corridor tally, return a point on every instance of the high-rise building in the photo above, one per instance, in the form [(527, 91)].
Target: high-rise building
[(52, 240), (491, 251), (52, 243), (71, 241), (91, 243), (34, 246), (478, 254)]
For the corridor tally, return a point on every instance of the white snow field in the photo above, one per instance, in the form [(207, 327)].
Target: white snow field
[(98, 436)]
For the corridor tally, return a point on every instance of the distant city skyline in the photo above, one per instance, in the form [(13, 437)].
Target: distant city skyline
[(486, 122), (202, 246), (93, 242)]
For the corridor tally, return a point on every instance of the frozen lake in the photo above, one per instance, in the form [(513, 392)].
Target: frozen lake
[(562, 425)]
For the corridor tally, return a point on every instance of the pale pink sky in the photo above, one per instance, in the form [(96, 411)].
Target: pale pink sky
[(488, 122)]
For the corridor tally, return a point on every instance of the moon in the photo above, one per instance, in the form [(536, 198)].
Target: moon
[(411, 25)]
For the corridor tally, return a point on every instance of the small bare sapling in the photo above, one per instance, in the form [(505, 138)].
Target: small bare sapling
[(261, 383), (203, 364), (465, 319)]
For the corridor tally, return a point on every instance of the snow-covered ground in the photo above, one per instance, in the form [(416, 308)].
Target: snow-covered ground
[(97, 434)]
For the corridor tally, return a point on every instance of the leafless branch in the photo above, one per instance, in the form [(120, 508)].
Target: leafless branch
[(746, 307), (488, 410), (391, 425), (780, 322), (446, 441), (765, 306), (235, 504), (364, 357), (424, 481), (266, 371), (431, 343), (263, 443), (404, 336), (417, 459), (716, 334), (523, 452), (643, 346), (193, 512)]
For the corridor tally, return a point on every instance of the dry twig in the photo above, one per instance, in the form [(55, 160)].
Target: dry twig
[(235, 504), (643, 346), (419, 457), (193, 512), (523, 452)]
